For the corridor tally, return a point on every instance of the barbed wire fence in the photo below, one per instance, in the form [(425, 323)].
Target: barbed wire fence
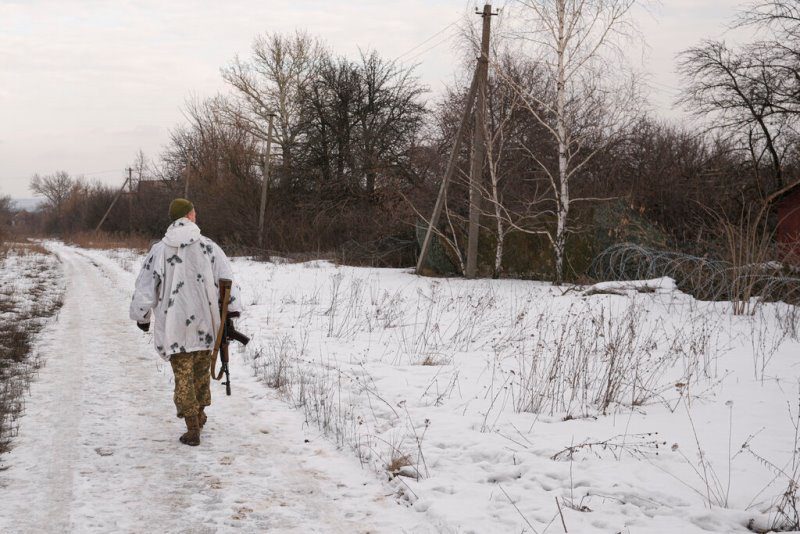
[(745, 286)]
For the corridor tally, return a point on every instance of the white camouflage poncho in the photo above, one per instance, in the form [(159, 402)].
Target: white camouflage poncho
[(179, 283)]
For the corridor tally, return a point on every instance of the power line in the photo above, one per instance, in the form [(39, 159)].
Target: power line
[(79, 174), (98, 172), (429, 39), (663, 87), (95, 172), (666, 85), (420, 54)]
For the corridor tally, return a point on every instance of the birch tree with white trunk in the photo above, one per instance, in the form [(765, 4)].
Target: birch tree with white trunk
[(589, 98)]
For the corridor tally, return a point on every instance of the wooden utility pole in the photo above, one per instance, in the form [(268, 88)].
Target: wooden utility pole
[(478, 86), (186, 181), (478, 146), (265, 184), (130, 200), (451, 167), (116, 197)]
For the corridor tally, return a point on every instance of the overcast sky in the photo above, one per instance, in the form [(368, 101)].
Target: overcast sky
[(85, 84)]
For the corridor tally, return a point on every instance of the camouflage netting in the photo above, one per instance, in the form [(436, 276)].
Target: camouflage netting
[(530, 256), (438, 262)]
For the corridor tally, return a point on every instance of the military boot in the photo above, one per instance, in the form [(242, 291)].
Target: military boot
[(192, 436), (202, 417)]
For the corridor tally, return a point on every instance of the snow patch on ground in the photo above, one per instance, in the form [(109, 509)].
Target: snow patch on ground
[(492, 403), (656, 285), (497, 393), (29, 278), (98, 450), (31, 289)]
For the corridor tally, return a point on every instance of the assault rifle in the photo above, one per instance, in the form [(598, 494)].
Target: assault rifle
[(227, 333)]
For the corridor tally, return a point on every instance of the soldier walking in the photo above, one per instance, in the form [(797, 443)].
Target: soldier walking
[(178, 289)]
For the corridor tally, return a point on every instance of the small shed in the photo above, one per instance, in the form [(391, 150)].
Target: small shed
[(787, 229)]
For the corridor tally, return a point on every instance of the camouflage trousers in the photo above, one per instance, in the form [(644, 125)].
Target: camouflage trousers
[(192, 381)]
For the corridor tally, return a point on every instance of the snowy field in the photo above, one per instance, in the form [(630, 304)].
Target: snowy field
[(499, 402), (97, 449), (29, 278), (515, 406)]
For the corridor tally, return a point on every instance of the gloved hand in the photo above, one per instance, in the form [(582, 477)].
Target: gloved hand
[(144, 327), (233, 314)]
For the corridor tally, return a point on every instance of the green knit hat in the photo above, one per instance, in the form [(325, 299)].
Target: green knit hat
[(180, 207)]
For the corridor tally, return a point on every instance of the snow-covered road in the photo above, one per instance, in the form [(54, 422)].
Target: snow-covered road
[(98, 448)]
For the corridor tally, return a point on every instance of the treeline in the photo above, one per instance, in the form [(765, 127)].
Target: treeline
[(358, 152), (345, 135)]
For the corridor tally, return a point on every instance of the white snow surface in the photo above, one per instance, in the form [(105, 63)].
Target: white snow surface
[(98, 449), (661, 285), (482, 387), (28, 278)]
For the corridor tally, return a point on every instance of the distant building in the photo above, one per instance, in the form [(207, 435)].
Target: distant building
[(787, 232)]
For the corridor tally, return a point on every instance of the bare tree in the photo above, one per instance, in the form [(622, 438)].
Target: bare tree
[(778, 22), (6, 208), (329, 112), (783, 13), (735, 89), (6, 214), (272, 82), (588, 100), (363, 120), (54, 187), (752, 92), (780, 19), (388, 116), (141, 169), (220, 159), (514, 200)]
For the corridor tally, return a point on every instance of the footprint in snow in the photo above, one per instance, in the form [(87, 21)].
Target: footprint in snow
[(241, 512)]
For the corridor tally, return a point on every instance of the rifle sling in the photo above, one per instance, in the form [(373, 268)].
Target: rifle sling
[(224, 351)]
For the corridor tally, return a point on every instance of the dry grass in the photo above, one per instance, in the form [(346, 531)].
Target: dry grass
[(21, 248), (398, 462), (431, 361), (103, 240), (27, 299), (17, 366)]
